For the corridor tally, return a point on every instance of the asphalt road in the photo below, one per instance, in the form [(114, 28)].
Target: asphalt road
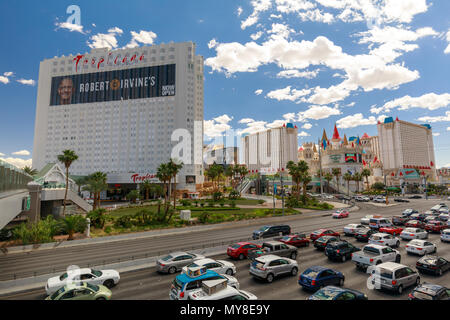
[(147, 284)]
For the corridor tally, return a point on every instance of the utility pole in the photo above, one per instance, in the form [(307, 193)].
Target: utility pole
[(282, 193), (320, 171)]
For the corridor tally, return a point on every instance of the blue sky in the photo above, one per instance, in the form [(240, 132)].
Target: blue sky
[(311, 62)]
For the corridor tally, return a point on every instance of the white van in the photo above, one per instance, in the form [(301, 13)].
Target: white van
[(377, 223)]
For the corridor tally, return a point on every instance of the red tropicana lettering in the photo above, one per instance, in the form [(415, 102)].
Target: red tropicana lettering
[(141, 57), (132, 58), (124, 59), (93, 61), (100, 62), (77, 59), (86, 61), (115, 60)]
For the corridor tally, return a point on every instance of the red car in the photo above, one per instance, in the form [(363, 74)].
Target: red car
[(341, 214), (240, 250), (391, 230), (415, 224), (297, 240), (435, 226), (323, 232)]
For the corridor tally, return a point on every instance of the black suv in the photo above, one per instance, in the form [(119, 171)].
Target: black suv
[(271, 231), (340, 250), (322, 242), (364, 234)]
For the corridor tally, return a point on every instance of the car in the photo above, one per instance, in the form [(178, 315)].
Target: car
[(336, 293), (433, 264), (413, 233), (275, 248), (271, 231), (297, 240), (408, 212), (399, 220), (352, 229), (444, 217), (435, 226), (393, 276), (415, 224), (175, 261), (439, 206), (240, 250), (443, 210), (379, 200), (317, 277), (219, 266), (339, 214), (398, 199), (428, 291), (322, 242), (391, 230), (420, 247), (445, 235), (219, 290), (340, 250), (384, 239), (373, 254), (323, 232), (362, 198), (108, 278), (418, 216), (364, 235), (433, 213), (270, 266), (416, 196), (429, 219), (366, 219), (379, 222), (81, 291), (185, 283)]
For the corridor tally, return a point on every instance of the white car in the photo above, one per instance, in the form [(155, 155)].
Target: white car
[(219, 266), (443, 210), (352, 229), (444, 217), (366, 219), (429, 218), (384, 239), (445, 235), (420, 247), (108, 278), (413, 233), (219, 290)]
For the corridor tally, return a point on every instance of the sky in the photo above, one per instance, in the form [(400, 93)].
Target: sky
[(314, 63)]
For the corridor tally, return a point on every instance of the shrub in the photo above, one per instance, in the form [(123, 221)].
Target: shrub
[(97, 218), (73, 224), (31, 233), (196, 203), (222, 203), (204, 216), (108, 229), (233, 204), (234, 195), (202, 204), (124, 222), (261, 202), (217, 196), (185, 203), (211, 203)]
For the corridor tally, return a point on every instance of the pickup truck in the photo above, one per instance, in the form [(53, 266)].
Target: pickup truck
[(374, 254), (276, 248)]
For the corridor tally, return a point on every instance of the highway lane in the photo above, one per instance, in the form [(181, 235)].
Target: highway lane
[(45, 261), (147, 284)]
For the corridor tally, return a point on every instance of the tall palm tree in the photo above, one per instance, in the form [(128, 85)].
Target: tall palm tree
[(147, 187), (67, 158), (163, 173), (306, 179), (299, 173), (328, 177), (348, 177), (366, 173), (80, 181), (229, 172), (336, 172), (357, 177), (296, 175), (30, 170), (96, 183), (174, 168)]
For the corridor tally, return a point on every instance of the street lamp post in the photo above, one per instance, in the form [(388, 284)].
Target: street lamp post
[(320, 171)]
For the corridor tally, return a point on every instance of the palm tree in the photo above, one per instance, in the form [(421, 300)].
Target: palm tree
[(328, 177), (229, 172), (336, 172), (174, 169), (357, 177), (67, 157), (366, 173), (348, 177), (80, 181), (147, 187), (164, 174), (30, 170), (299, 173), (74, 223), (295, 173), (306, 179), (95, 184)]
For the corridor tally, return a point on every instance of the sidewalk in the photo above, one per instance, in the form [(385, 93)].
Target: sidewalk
[(168, 231)]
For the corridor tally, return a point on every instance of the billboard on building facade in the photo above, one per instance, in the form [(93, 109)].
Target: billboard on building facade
[(136, 83)]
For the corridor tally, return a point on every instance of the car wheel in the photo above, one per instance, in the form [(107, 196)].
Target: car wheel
[(397, 244), (435, 250), (100, 298), (229, 272), (241, 256), (269, 278), (293, 255), (400, 289), (439, 273), (343, 259), (341, 282), (109, 283), (294, 271), (398, 258), (172, 270)]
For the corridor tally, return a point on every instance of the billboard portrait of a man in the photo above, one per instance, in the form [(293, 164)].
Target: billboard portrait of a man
[(65, 91)]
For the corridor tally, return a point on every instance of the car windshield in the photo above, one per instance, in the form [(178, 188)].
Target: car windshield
[(96, 273), (415, 243), (326, 294), (57, 293), (371, 250), (63, 276), (422, 295), (93, 287), (236, 246), (376, 238), (263, 228), (385, 273), (431, 261), (286, 238), (310, 273), (166, 258), (177, 284), (192, 265)]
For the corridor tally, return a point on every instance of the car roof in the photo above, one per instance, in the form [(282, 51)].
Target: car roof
[(378, 246), (391, 265), (268, 258), (243, 243), (178, 253), (381, 234), (273, 243), (203, 261), (428, 287), (184, 278), (318, 268)]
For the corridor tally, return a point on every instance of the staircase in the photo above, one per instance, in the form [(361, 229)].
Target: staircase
[(342, 188), (245, 186), (58, 194)]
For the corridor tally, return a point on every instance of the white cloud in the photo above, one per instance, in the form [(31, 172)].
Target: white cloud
[(143, 37), (8, 74), (307, 126), (258, 92), (447, 50), (69, 26), (317, 113), (2, 154), (316, 16), (18, 162), (21, 153), (5, 78), (29, 82), (217, 126), (355, 120), (239, 11), (430, 101), (289, 6), (280, 30), (287, 94), (103, 40), (212, 43), (436, 134), (298, 74), (223, 119), (256, 36), (246, 120), (303, 134), (437, 118), (258, 7), (115, 30), (448, 128)]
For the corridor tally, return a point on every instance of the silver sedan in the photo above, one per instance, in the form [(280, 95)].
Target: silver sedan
[(176, 261)]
